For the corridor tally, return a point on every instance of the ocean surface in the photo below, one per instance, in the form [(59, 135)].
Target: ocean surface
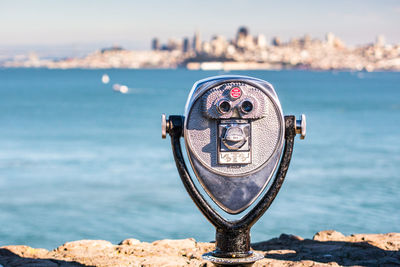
[(79, 161)]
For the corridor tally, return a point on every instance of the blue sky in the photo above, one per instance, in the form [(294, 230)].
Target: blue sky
[(132, 24)]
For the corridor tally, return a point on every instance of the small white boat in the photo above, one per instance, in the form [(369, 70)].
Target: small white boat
[(123, 89), (105, 79), (116, 87)]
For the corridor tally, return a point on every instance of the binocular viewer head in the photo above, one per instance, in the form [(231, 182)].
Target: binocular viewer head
[(234, 132)]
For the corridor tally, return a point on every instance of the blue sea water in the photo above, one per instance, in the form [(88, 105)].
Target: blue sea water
[(79, 161)]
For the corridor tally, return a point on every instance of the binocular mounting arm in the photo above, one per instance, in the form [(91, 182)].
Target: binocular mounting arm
[(174, 127)]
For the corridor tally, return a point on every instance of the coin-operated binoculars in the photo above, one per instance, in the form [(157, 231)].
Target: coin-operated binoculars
[(235, 136)]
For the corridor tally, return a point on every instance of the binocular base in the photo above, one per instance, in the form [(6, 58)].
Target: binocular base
[(246, 261)]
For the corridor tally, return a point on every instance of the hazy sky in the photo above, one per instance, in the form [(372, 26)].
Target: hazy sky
[(132, 24)]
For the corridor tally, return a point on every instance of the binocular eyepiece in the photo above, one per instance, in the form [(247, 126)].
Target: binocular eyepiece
[(235, 137), (225, 106)]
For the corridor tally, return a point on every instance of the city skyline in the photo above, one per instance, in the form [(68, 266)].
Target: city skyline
[(89, 24), (244, 51)]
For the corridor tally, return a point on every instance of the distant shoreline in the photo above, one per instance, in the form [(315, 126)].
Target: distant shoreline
[(200, 69), (245, 52)]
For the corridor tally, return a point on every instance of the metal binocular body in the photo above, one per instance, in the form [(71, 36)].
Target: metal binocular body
[(235, 137)]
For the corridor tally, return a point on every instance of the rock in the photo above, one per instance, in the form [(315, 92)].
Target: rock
[(286, 237), (24, 256), (130, 242), (86, 246), (327, 248), (389, 241), (182, 244), (25, 251), (328, 236), (84, 250)]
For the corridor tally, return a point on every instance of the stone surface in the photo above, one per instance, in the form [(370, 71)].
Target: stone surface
[(328, 236), (327, 248), (130, 242)]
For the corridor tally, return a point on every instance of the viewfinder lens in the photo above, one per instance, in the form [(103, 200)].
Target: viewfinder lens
[(224, 106), (247, 106)]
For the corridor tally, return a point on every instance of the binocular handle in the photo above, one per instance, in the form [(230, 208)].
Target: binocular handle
[(301, 126), (164, 126)]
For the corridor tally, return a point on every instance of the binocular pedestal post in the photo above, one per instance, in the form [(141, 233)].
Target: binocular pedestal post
[(232, 237), (232, 243)]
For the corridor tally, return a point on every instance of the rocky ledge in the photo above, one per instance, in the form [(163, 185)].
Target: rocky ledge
[(327, 248)]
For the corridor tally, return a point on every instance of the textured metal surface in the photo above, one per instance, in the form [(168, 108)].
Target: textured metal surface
[(232, 243), (201, 86), (211, 98), (201, 135), (233, 187)]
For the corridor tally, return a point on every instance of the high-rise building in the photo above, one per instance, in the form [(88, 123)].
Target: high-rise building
[(218, 45), (155, 44), (261, 41), (197, 42), (306, 40), (330, 39), (242, 33), (334, 41), (186, 45), (276, 41), (380, 40), (244, 40)]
